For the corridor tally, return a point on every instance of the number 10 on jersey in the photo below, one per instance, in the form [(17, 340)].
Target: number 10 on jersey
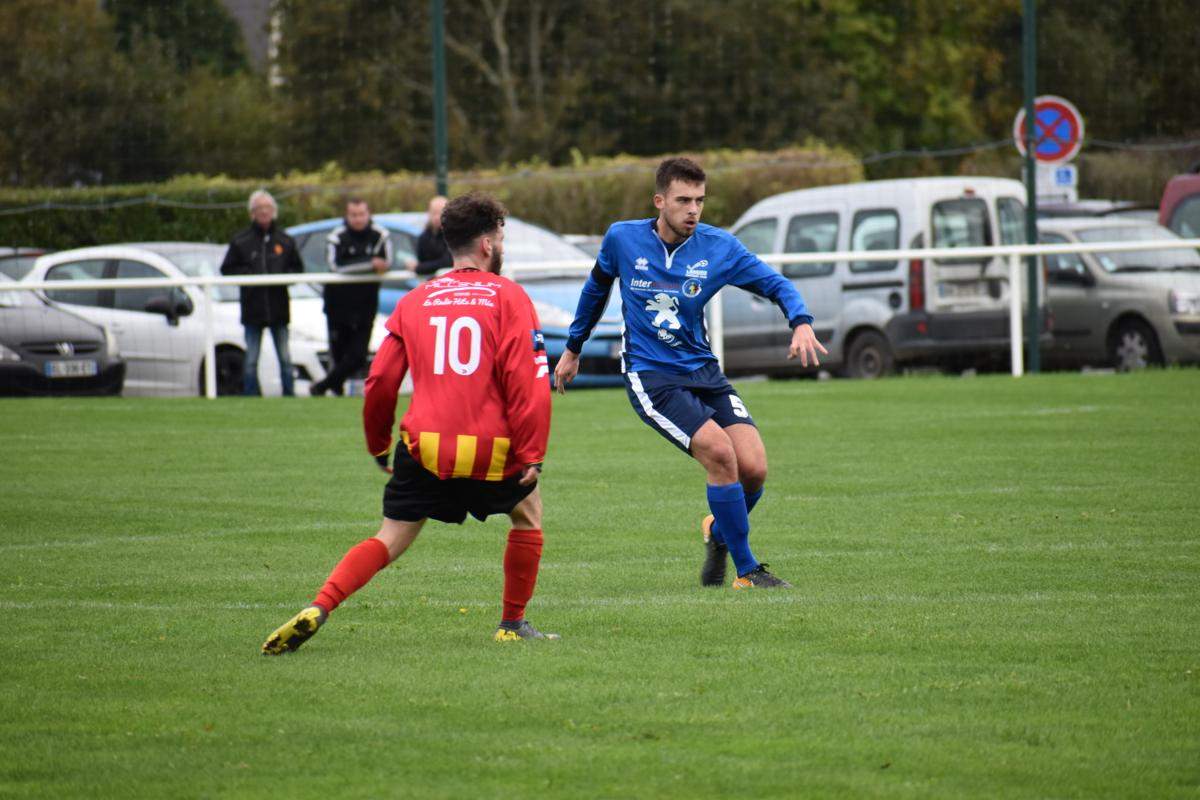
[(451, 341)]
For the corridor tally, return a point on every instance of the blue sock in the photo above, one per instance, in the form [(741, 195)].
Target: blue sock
[(751, 501), (728, 505)]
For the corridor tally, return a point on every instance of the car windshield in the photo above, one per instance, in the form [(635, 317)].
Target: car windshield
[(12, 298), (16, 267), (1140, 260)]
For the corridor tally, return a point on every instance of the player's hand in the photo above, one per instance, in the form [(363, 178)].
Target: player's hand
[(566, 370), (530, 475), (805, 346), (379, 264), (382, 461)]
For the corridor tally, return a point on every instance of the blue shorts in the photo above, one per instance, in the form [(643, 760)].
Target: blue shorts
[(677, 405)]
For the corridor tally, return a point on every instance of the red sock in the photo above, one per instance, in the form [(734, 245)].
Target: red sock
[(358, 566), (521, 559)]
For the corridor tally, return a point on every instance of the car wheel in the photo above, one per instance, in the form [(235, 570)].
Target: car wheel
[(869, 356), (1134, 346), (230, 366)]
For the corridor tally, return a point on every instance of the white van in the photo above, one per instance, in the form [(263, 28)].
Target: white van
[(873, 315)]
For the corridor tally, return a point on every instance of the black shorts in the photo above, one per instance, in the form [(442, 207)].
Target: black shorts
[(414, 493)]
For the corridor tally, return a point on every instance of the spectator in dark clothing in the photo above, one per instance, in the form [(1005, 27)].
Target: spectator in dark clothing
[(262, 249), (432, 252), (355, 247)]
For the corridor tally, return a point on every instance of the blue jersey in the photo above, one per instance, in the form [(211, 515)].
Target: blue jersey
[(663, 293)]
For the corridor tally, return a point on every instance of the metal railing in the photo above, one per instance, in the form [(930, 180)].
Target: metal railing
[(1013, 254)]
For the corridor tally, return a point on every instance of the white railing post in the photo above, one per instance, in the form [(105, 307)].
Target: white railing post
[(1014, 315), (210, 347), (716, 333)]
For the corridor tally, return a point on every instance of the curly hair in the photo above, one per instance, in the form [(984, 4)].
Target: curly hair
[(469, 216)]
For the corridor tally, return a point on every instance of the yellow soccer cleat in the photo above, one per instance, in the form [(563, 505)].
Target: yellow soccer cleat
[(520, 632), (295, 632)]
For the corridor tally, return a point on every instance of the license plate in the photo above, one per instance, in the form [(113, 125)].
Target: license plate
[(951, 289), (70, 369)]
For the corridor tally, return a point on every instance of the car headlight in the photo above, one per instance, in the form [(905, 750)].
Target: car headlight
[(552, 316), (110, 342), (1184, 303), (8, 355)]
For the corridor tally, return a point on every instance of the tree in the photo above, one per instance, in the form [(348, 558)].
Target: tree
[(350, 86), (194, 32), (73, 109)]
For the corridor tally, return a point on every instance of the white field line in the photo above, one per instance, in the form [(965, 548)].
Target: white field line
[(680, 599)]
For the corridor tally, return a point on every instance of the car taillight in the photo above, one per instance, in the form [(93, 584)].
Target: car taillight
[(916, 285)]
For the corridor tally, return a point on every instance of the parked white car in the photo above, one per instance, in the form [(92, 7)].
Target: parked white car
[(161, 333)]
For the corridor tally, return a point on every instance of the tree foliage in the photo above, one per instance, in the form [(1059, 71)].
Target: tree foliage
[(125, 90)]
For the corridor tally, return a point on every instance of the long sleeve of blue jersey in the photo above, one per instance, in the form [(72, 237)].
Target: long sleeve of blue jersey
[(753, 275), (593, 298)]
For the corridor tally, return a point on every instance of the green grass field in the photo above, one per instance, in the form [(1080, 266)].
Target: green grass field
[(997, 595)]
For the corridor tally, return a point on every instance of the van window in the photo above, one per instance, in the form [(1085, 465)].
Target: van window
[(1186, 219), (961, 223), (875, 229), (811, 233), (759, 236), (1011, 213)]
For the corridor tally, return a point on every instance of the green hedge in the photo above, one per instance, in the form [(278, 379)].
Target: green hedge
[(581, 198)]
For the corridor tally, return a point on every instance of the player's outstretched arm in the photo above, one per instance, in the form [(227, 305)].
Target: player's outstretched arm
[(805, 346), (566, 370)]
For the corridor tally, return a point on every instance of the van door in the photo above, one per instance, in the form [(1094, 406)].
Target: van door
[(872, 291), (964, 284), (759, 237)]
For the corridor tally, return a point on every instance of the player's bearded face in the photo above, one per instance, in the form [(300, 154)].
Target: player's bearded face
[(497, 259), (680, 207)]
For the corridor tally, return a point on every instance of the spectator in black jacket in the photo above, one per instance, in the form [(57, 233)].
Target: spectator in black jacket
[(262, 249), (432, 252), (357, 246)]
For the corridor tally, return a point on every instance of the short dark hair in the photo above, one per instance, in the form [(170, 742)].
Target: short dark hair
[(355, 200), (469, 216), (677, 169)]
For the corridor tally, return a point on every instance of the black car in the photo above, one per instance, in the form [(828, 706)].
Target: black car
[(47, 351)]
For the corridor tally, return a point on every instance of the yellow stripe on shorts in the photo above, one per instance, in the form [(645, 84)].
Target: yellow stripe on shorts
[(428, 445), (464, 457), (499, 456)]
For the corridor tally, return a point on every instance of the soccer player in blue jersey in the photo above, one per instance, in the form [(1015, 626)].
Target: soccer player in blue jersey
[(668, 268)]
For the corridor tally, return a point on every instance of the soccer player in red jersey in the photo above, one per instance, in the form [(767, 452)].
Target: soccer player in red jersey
[(474, 436)]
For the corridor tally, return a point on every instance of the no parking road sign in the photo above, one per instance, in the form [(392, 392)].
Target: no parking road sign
[(1057, 130)]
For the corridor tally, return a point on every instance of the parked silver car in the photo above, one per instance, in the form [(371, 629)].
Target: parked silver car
[(1122, 309)]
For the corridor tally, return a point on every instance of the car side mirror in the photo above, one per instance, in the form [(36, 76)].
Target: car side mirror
[(171, 306)]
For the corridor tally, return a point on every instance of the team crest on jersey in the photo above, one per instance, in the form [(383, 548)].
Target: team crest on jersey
[(666, 312), (641, 263), (691, 287), (539, 341)]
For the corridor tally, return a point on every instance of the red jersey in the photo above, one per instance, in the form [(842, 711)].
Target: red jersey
[(481, 389)]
